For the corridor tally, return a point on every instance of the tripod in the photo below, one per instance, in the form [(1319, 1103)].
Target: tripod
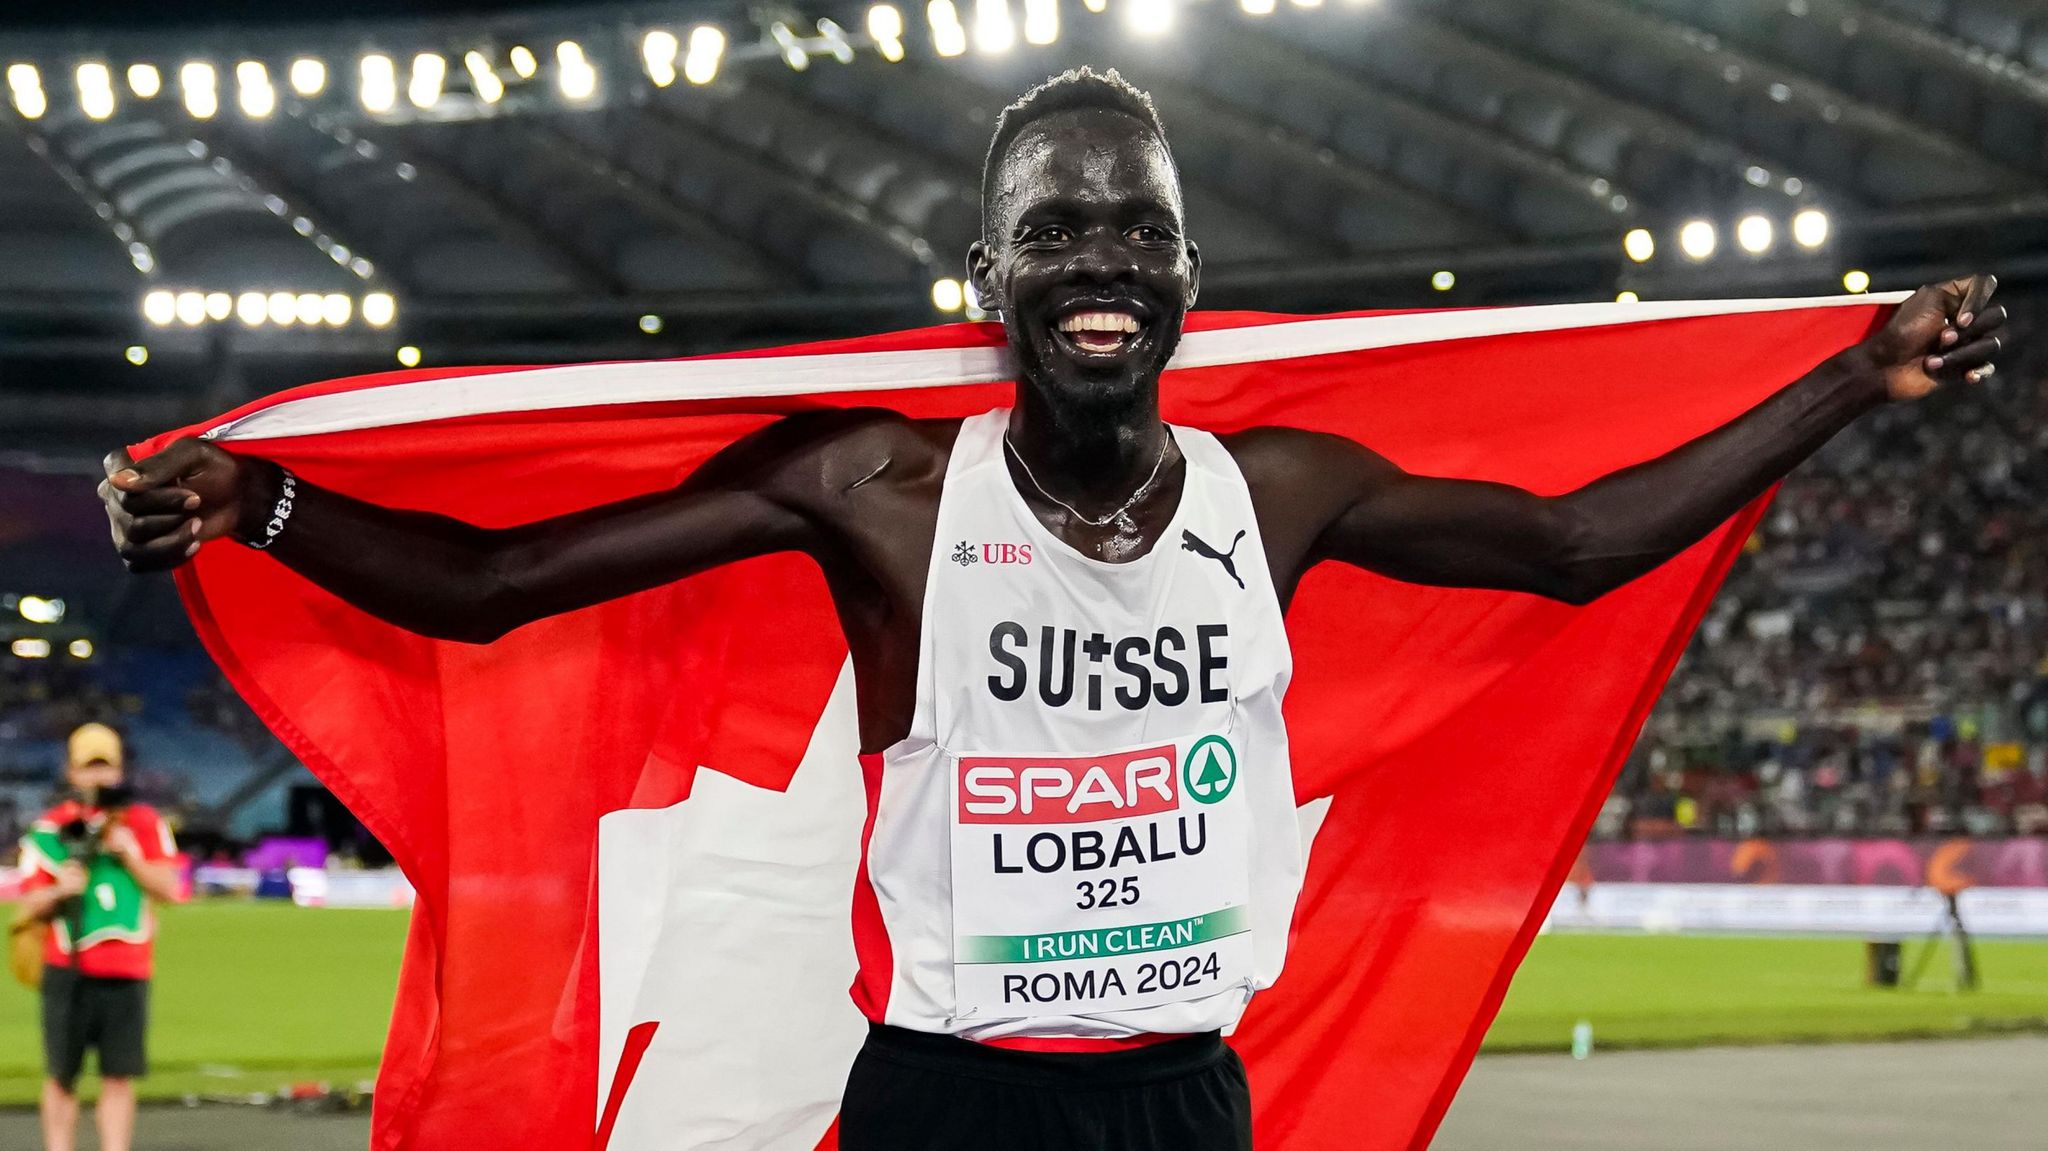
[(1966, 948)]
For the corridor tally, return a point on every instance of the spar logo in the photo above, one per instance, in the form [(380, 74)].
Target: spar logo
[(1077, 789), (1210, 770)]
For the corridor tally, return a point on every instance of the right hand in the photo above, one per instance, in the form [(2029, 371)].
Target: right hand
[(162, 508), (70, 878)]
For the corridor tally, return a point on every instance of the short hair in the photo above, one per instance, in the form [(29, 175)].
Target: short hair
[(1075, 88)]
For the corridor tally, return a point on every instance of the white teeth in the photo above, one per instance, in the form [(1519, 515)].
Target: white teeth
[(1100, 322)]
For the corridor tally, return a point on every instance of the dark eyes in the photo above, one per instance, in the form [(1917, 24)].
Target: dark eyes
[(1060, 234)]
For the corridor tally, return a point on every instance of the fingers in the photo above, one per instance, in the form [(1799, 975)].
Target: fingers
[(148, 501), (116, 460), (1986, 321), (160, 554), (167, 465), (1976, 294)]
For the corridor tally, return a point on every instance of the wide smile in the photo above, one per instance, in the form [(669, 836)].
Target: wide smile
[(1100, 335)]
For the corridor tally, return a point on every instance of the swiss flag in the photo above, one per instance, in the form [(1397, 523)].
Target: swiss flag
[(633, 829)]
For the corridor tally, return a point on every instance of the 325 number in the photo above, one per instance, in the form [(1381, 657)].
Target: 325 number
[(1107, 892)]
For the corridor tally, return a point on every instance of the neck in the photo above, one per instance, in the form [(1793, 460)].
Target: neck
[(1089, 455)]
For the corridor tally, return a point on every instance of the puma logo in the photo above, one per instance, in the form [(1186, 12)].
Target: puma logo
[(1191, 542)]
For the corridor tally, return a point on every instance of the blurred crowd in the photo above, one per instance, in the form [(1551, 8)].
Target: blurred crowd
[(1878, 660)]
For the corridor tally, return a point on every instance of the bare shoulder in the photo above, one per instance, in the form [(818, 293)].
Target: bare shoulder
[(1285, 459), (833, 452)]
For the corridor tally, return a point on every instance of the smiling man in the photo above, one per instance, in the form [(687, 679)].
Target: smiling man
[(1066, 626)]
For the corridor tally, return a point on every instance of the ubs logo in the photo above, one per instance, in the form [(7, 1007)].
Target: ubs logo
[(966, 554)]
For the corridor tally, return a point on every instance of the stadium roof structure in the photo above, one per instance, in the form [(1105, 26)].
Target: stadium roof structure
[(244, 205)]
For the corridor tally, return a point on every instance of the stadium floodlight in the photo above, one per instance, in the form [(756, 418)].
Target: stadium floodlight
[(311, 307), (219, 306), (1041, 21), (1444, 280), (1096, 6), (949, 38), (658, 53), (1149, 17), (1626, 296), (1256, 7), (885, 28), (160, 307), (1639, 245), (483, 80), (573, 72), (786, 43), (700, 60), (523, 63), (379, 309), (651, 324), (251, 308), (1856, 280), (284, 308), (994, 33), (191, 308), (429, 72), (409, 356), (948, 295), (136, 354), (253, 91), (201, 87), (1810, 228), (95, 90), (1753, 234), (335, 309), (38, 609), (308, 76), (145, 81), (33, 647), (1697, 239), (836, 43), (378, 89), (1308, 3), (82, 648)]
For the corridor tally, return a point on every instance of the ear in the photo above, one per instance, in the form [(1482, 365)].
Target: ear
[(981, 271), (1194, 272)]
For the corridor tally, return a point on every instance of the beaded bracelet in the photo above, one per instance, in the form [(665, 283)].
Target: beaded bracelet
[(280, 513)]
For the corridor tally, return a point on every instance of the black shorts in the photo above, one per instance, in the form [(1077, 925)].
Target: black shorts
[(913, 1091), (82, 1012)]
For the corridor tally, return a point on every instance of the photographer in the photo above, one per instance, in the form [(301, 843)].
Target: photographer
[(94, 863)]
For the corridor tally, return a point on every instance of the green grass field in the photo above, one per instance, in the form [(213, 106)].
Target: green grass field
[(249, 997)]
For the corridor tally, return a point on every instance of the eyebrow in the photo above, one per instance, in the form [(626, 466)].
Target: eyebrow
[(1058, 206)]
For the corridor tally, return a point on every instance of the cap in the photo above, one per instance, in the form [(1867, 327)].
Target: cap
[(95, 742)]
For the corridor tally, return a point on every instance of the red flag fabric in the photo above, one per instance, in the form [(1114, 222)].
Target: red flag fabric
[(633, 829)]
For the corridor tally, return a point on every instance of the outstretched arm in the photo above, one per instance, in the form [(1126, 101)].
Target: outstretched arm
[(446, 578), (1582, 544)]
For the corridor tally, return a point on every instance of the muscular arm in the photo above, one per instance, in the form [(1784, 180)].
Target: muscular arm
[(446, 578), (1578, 546)]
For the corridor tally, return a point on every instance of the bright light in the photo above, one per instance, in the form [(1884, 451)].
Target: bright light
[(707, 47), (160, 307), (95, 90), (284, 308), (312, 308), (483, 80), (1149, 17), (1096, 6), (523, 62), (379, 88), (994, 33), (1856, 280), (80, 649), (1754, 234), (1256, 7), (1639, 245), (252, 308), (36, 609), (31, 648), (308, 76), (1443, 281), (651, 324), (379, 309), (409, 356), (948, 295), (429, 72), (1041, 21), (202, 89), (835, 41), (219, 305), (573, 73), (1627, 297), (1697, 239), (335, 308), (948, 37), (257, 98), (1810, 228), (1308, 3), (191, 308), (145, 81), (793, 53), (137, 354), (658, 52), (885, 22)]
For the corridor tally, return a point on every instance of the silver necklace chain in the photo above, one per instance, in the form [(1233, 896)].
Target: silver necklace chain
[(1136, 495)]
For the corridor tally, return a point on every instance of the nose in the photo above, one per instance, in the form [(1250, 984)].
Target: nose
[(1104, 256)]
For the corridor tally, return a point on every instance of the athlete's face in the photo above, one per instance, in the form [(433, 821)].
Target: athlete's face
[(1087, 258)]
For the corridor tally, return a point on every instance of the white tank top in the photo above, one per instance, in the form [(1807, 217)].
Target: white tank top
[(1090, 831)]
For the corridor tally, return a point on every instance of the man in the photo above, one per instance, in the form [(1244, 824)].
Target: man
[(93, 863), (1067, 889)]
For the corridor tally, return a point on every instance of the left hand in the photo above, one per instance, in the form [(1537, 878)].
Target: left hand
[(1943, 333)]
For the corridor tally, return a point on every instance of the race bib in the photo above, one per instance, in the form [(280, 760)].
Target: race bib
[(1097, 883)]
